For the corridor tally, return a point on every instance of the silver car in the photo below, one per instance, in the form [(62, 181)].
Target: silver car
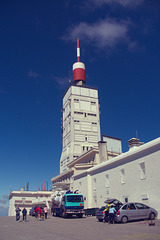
[(135, 211)]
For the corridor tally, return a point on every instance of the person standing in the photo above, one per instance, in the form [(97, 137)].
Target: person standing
[(18, 210), (45, 211), (112, 212), (24, 212), (106, 213)]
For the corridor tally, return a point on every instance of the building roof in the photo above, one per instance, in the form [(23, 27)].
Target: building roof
[(126, 155), (29, 193)]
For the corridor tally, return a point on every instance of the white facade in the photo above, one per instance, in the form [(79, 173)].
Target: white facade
[(27, 199), (131, 176), (80, 123)]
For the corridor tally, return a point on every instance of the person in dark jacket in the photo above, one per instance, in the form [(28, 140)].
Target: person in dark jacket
[(24, 212), (18, 210)]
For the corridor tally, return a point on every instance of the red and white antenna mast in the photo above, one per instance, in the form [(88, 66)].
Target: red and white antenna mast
[(79, 68)]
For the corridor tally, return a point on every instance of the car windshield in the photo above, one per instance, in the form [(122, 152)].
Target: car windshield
[(75, 198)]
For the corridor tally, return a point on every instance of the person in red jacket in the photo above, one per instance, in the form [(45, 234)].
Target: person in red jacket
[(38, 211)]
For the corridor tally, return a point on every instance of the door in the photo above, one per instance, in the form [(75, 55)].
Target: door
[(131, 211)]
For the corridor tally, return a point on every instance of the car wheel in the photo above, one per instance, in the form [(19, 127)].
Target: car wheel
[(124, 219), (152, 216)]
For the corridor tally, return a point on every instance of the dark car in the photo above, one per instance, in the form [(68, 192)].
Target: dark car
[(32, 211), (135, 211), (100, 214)]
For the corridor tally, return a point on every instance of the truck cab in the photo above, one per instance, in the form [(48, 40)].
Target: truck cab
[(72, 204)]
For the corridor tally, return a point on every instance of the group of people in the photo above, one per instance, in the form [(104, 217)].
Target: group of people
[(24, 212), (38, 212), (110, 213)]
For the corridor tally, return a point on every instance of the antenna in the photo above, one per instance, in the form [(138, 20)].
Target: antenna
[(79, 68), (78, 50), (136, 134)]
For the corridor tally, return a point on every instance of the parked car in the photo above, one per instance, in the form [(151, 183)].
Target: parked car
[(100, 214), (135, 211), (32, 211)]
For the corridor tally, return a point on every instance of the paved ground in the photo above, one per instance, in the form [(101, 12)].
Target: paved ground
[(76, 229)]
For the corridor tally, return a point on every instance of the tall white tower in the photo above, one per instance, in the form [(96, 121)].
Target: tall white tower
[(80, 116)]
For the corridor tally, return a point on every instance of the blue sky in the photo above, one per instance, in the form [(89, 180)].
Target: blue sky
[(120, 46)]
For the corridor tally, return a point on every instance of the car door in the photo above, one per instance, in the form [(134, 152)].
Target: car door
[(131, 211), (141, 210)]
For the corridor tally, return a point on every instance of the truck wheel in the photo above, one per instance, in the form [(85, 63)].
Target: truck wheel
[(80, 215), (64, 215)]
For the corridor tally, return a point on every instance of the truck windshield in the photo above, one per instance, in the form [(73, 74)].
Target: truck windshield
[(76, 198)]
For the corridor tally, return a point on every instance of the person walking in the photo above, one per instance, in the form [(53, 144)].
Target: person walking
[(24, 212), (112, 212), (45, 211), (18, 210)]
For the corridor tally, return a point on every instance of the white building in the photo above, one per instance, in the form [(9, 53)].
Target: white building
[(131, 176), (28, 199)]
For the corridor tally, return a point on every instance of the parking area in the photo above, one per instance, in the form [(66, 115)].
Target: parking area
[(76, 229)]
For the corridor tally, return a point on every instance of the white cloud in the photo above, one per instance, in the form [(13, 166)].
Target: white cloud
[(104, 34), (33, 74), (124, 3), (62, 81)]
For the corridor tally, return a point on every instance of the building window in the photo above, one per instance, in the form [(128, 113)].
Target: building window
[(83, 148), (107, 181), (91, 114), (142, 170), (122, 172)]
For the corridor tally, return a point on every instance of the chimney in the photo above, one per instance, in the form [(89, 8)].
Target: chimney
[(102, 151), (27, 186), (134, 143), (45, 185)]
